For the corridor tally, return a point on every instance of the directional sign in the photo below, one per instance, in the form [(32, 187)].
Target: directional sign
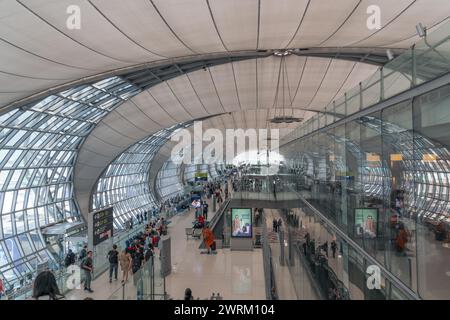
[(102, 225)]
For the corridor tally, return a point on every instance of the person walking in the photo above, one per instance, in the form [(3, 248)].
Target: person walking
[(333, 248), (125, 264), (325, 248), (188, 294), (279, 223), (274, 225), (113, 257), (88, 267)]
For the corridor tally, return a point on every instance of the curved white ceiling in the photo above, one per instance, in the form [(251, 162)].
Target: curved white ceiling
[(38, 51), (244, 93)]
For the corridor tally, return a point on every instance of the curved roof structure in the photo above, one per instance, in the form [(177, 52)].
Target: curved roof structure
[(77, 101), (39, 51)]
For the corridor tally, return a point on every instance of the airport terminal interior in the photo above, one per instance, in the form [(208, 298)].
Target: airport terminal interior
[(225, 149)]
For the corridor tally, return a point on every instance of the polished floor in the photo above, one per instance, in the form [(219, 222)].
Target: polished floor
[(237, 275)]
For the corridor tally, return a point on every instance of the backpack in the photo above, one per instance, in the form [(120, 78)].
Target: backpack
[(113, 256), (67, 261)]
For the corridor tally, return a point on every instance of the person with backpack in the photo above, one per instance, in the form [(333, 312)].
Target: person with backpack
[(149, 253), (113, 257), (88, 267), (137, 260), (70, 258)]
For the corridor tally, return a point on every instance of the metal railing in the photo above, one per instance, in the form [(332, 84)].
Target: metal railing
[(145, 284), (426, 60), (269, 275)]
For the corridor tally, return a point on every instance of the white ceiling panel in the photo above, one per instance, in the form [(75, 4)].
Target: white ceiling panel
[(167, 100), (139, 20), (224, 81), (279, 21), (315, 71), (94, 26), (245, 72), (237, 22), (200, 36), (152, 109), (139, 118), (203, 85), (334, 79), (268, 74), (183, 89)]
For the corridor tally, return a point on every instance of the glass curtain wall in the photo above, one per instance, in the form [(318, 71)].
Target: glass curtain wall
[(38, 149), (125, 183), (384, 180), (168, 182)]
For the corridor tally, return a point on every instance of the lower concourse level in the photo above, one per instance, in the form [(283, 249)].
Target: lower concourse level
[(381, 182)]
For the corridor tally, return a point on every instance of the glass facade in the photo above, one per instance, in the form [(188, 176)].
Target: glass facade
[(383, 179), (125, 183), (168, 182), (38, 149)]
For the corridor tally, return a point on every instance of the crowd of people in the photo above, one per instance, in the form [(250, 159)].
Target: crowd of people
[(141, 248)]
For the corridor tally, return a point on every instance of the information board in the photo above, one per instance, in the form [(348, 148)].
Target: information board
[(102, 221)]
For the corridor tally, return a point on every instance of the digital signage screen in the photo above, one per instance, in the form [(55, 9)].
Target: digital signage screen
[(241, 223), (102, 225), (366, 222)]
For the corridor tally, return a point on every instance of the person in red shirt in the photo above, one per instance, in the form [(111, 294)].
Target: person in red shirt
[(201, 220), (2, 288)]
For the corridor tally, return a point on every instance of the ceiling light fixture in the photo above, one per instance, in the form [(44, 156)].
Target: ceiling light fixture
[(285, 119), (282, 53), (421, 30)]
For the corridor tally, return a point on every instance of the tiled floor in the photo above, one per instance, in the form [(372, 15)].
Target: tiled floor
[(233, 274)]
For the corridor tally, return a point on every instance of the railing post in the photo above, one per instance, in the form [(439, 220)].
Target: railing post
[(334, 111), (345, 103), (381, 83), (414, 66), (360, 96)]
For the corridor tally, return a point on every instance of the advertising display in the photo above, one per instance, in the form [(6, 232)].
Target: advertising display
[(102, 225), (201, 176), (366, 222), (241, 223)]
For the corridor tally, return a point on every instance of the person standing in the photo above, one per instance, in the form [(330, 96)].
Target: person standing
[(2, 288), (333, 248), (149, 253), (208, 238), (325, 248), (113, 257), (131, 223), (88, 267), (125, 264), (205, 210), (279, 223)]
